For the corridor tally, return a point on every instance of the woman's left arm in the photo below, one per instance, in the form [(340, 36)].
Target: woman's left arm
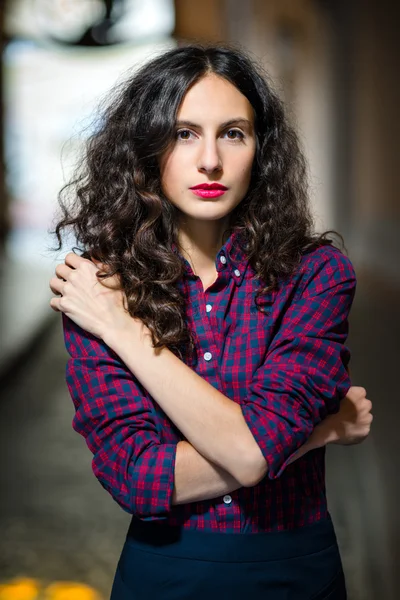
[(299, 394)]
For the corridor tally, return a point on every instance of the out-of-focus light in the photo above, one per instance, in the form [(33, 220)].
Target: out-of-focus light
[(67, 20), (70, 591), (31, 589), (20, 589), (141, 20), (64, 19), (90, 22)]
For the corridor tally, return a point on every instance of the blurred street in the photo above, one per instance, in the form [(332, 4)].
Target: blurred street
[(57, 522)]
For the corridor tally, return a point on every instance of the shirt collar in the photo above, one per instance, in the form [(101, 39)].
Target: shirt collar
[(230, 257)]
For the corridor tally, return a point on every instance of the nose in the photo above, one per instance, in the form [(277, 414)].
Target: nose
[(209, 159)]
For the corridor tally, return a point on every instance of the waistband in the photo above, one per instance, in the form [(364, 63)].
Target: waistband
[(175, 541)]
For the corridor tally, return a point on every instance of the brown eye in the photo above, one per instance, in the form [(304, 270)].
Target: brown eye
[(235, 134), (183, 134)]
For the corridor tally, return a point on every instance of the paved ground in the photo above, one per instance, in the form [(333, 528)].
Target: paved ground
[(57, 523)]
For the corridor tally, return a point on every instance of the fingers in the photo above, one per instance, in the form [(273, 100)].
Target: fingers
[(67, 271), (55, 304), (356, 391), (63, 271), (364, 404), (368, 405), (57, 285), (74, 261)]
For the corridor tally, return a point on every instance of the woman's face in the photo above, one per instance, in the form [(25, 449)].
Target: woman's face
[(214, 143)]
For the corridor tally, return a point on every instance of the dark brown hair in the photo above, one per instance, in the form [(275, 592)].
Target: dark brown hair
[(120, 216)]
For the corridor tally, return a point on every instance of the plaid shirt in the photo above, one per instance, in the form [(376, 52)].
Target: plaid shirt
[(286, 369)]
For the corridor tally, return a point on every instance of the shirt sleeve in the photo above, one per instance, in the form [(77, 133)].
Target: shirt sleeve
[(115, 415), (304, 375)]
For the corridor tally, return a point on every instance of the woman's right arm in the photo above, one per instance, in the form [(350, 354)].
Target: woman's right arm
[(197, 479), (115, 415)]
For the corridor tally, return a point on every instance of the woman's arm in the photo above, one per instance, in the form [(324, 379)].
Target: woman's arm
[(213, 423), (116, 418), (111, 408), (301, 382), (196, 478), (209, 420)]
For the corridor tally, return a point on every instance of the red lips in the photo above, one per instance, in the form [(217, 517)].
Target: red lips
[(209, 186)]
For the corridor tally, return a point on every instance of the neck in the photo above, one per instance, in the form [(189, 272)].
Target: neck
[(200, 242)]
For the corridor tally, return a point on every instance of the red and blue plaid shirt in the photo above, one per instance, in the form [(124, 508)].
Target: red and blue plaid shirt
[(286, 368)]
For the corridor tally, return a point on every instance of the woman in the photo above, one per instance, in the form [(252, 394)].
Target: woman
[(206, 325)]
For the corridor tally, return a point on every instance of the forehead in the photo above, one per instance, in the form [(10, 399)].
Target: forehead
[(214, 99)]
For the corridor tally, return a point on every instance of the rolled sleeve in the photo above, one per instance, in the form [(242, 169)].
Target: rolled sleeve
[(305, 374), (116, 417)]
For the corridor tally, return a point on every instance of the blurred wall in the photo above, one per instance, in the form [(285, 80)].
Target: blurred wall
[(368, 96), (3, 198), (368, 212), (200, 20)]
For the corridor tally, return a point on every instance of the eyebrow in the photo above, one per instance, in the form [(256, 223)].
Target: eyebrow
[(236, 121)]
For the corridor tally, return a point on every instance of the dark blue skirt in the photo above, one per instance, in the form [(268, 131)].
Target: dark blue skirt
[(170, 563)]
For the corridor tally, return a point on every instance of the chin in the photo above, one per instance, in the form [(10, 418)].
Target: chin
[(214, 215)]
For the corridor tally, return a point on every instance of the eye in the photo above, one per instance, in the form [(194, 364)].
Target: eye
[(183, 135), (237, 135)]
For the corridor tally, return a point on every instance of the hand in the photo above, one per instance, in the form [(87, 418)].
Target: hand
[(96, 305), (351, 425)]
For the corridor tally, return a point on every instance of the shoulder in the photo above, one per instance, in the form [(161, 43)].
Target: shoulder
[(328, 257), (79, 343), (325, 267)]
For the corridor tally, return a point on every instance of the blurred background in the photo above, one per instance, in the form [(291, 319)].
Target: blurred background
[(335, 64)]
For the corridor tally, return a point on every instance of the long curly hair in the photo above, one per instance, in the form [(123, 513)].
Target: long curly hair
[(119, 215)]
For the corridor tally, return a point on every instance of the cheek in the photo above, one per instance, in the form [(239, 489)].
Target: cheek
[(243, 170), (168, 176), (174, 170)]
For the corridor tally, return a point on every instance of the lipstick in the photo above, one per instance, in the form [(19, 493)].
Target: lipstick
[(209, 190)]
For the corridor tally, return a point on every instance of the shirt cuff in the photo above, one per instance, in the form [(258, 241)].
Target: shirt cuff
[(277, 438), (153, 484)]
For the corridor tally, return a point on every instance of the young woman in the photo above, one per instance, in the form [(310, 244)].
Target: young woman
[(206, 324)]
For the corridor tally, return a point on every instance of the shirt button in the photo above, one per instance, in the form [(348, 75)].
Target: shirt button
[(208, 307), (237, 273), (227, 499), (207, 356), (222, 259)]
